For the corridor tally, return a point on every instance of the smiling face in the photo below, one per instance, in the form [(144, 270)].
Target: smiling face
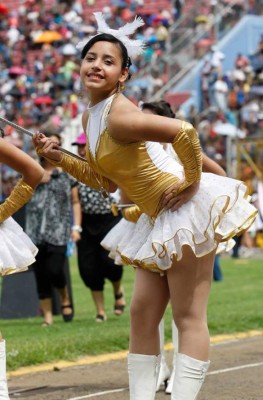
[(101, 70)]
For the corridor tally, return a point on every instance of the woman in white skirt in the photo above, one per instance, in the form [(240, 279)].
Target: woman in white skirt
[(17, 250), (131, 213), (186, 213)]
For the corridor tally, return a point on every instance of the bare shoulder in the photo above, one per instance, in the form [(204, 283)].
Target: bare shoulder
[(128, 124), (121, 119)]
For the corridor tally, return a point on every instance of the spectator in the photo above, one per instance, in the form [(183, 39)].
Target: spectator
[(162, 34), (48, 223), (220, 90), (241, 61), (217, 58), (178, 4)]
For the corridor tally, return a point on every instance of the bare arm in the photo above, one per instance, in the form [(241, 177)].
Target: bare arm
[(32, 173), (81, 170), (76, 207), (210, 165), (133, 125), (21, 162)]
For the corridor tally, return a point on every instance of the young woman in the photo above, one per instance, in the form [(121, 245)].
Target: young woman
[(17, 251), (186, 213), (131, 214)]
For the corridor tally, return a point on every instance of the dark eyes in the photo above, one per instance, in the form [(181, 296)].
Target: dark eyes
[(106, 61)]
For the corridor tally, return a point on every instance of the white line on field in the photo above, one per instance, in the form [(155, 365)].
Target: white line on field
[(88, 396), (222, 371), (219, 371)]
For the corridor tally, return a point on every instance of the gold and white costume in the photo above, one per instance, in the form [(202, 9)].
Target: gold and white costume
[(17, 250), (143, 170)]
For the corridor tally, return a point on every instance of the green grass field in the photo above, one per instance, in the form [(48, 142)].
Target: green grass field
[(235, 305)]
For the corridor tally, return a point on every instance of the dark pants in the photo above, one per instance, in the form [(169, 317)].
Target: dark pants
[(217, 273), (49, 269), (237, 246), (94, 263)]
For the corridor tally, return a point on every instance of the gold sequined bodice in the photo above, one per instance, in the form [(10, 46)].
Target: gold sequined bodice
[(131, 168)]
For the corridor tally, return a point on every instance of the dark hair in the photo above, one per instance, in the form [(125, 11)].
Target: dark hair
[(105, 37), (57, 135), (43, 160), (162, 108)]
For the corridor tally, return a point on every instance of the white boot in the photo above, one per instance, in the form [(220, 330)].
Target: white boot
[(3, 384), (175, 343), (189, 377), (164, 372), (143, 371)]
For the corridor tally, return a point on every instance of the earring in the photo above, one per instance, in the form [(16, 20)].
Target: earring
[(120, 87)]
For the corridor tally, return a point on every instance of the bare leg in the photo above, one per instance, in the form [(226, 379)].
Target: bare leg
[(117, 288), (119, 298), (46, 307), (65, 301), (149, 301), (247, 245), (247, 240), (189, 282), (98, 298)]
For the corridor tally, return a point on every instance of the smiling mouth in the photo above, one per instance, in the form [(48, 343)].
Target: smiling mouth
[(95, 76)]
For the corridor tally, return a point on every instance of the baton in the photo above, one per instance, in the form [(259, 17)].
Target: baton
[(120, 206), (29, 133)]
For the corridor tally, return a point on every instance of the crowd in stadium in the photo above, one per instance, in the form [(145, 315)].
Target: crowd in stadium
[(40, 85)]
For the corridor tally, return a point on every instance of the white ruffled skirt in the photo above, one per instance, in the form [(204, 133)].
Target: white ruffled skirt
[(17, 251), (218, 211)]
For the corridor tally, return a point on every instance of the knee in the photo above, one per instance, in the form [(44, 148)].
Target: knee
[(189, 321), (137, 312), (94, 283), (91, 278), (142, 316)]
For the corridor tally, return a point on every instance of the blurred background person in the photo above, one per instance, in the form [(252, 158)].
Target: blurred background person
[(48, 223)]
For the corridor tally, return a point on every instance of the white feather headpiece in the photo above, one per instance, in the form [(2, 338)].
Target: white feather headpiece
[(134, 47)]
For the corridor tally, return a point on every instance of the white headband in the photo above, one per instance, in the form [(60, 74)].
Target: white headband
[(134, 47)]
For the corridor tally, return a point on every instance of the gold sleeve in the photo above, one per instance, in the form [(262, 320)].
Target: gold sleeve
[(82, 172), (187, 146), (132, 213), (19, 196)]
